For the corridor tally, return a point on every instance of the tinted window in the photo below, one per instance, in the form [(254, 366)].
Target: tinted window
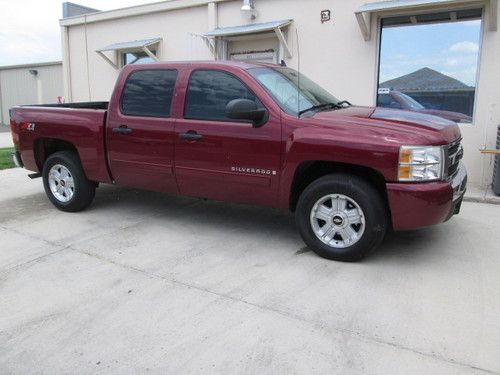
[(209, 92), (149, 93)]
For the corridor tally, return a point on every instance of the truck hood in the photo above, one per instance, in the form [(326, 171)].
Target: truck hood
[(407, 125)]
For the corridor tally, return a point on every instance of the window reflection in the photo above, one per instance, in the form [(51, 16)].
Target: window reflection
[(428, 64)]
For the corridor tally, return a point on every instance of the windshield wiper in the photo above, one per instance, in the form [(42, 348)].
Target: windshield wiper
[(342, 102), (320, 106)]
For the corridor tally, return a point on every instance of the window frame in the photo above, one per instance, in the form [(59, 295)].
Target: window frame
[(120, 107), (122, 54), (450, 9), (218, 120)]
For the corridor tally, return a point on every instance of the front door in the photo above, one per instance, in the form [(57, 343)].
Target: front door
[(140, 132), (224, 159)]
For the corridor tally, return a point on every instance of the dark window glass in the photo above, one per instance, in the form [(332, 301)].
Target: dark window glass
[(428, 63), (149, 93), (209, 92), (139, 57)]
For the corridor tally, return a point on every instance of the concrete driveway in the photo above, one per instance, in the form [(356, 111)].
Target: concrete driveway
[(5, 137), (147, 282)]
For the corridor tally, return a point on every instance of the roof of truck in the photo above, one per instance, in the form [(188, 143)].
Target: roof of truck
[(238, 64)]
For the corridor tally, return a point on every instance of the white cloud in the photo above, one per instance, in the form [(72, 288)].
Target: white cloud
[(30, 30), (465, 47)]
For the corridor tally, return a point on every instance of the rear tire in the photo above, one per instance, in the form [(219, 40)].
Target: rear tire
[(341, 217), (65, 183)]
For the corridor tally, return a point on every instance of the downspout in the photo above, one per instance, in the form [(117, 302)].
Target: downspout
[(213, 23), (87, 57), (66, 64), (1, 105)]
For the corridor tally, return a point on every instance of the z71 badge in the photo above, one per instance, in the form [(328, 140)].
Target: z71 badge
[(261, 171)]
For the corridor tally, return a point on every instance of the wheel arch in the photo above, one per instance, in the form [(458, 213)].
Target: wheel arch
[(309, 171), (44, 147)]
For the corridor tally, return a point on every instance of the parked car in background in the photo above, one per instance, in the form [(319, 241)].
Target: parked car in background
[(398, 100), (250, 133)]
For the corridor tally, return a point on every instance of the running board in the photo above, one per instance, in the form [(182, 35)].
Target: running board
[(34, 175)]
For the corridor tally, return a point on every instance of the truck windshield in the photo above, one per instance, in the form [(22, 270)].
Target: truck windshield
[(282, 84)]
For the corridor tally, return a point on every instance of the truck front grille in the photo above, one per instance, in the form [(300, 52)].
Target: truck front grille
[(455, 152)]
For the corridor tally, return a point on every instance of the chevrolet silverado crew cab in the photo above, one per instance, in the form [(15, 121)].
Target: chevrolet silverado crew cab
[(251, 133)]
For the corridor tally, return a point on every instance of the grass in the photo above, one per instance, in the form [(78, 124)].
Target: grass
[(5, 158)]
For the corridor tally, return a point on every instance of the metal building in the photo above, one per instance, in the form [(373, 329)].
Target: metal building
[(29, 84)]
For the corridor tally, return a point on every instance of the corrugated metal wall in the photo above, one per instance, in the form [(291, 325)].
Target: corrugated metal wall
[(19, 86)]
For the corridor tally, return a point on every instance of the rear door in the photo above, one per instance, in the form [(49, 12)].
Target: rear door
[(140, 131), (220, 158)]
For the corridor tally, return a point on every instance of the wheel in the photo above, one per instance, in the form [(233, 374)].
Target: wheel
[(65, 183), (341, 217)]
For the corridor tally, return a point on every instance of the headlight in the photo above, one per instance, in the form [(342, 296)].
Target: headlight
[(420, 163)]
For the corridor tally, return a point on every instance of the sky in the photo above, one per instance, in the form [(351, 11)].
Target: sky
[(29, 29), (450, 48)]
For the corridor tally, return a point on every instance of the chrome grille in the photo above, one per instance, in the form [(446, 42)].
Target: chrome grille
[(454, 152)]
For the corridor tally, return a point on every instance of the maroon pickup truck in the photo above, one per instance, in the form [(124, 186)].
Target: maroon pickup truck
[(251, 133)]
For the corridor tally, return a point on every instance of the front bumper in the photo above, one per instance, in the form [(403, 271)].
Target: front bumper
[(417, 205), (16, 158)]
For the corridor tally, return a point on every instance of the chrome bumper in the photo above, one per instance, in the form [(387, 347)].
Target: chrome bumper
[(16, 158)]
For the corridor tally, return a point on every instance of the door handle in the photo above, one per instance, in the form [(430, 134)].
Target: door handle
[(122, 129), (191, 135)]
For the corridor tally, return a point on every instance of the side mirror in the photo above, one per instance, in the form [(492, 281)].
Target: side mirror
[(245, 109)]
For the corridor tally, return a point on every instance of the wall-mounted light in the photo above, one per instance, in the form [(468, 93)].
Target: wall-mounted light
[(34, 72), (248, 9)]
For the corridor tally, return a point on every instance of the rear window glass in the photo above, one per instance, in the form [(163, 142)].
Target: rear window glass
[(149, 93)]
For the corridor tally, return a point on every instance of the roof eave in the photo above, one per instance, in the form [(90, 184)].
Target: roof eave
[(137, 10)]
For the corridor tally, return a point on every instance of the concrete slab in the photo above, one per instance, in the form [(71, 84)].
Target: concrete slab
[(6, 140), (148, 282), (481, 194)]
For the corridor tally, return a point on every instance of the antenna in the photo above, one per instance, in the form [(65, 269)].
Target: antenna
[(298, 72)]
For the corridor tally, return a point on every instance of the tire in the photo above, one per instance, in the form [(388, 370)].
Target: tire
[(65, 183), (356, 217)]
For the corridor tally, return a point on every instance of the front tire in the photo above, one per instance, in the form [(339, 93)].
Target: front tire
[(341, 217), (65, 183)]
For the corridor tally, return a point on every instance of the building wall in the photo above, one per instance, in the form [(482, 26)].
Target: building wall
[(95, 80), (19, 86), (333, 53)]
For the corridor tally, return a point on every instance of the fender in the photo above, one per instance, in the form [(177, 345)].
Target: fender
[(312, 144)]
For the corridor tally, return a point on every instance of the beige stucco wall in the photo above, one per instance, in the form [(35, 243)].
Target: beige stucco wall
[(333, 53), (95, 80), (19, 86)]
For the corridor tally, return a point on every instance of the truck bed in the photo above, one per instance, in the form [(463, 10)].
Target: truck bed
[(35, 127)]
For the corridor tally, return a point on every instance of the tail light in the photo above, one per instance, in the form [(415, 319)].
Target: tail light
[(15, 132)]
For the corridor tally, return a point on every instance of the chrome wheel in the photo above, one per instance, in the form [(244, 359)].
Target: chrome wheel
[(61, 183), (337, 220)]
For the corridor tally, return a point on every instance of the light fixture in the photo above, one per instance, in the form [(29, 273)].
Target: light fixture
[(34, 72), (248, 9)]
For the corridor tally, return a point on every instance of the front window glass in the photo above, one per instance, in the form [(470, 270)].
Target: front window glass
[(209, 92), (293, 92), (429, 62)]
